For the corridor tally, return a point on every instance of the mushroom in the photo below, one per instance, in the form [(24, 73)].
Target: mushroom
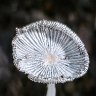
[(49, 52)]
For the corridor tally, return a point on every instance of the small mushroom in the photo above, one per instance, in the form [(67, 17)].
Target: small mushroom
[(49, 52)]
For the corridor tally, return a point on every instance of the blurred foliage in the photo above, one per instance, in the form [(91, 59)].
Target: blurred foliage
[(79, 15)]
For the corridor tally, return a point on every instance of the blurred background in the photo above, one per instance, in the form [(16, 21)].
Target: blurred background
[(79, 15)]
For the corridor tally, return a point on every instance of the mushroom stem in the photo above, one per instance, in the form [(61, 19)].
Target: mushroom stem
[(51, 91)]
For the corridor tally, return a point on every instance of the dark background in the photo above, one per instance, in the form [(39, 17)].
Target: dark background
[(79, 15)]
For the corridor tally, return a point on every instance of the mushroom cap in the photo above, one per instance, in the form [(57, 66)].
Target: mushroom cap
[(49, 52)]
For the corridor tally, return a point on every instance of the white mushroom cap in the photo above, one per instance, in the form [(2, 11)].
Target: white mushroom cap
[(49, 52)]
